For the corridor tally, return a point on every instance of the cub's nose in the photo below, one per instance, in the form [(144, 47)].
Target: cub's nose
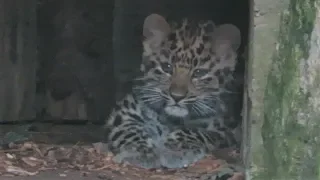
[(177, 96), (178, 89)]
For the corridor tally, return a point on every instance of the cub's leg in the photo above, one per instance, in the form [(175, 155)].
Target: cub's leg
[(128, 137)]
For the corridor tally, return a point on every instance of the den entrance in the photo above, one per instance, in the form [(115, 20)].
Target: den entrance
[(63, 66)]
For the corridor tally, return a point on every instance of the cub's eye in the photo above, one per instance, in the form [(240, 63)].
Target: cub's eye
[(166, 67), (199, 73)]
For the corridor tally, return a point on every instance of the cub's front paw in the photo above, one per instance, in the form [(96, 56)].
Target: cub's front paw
[(179, 159), (181, 148), (144, 158)]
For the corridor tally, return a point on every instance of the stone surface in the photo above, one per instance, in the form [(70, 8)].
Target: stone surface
[(285, 93)]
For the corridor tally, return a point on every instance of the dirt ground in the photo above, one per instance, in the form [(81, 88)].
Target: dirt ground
[(58, 175)]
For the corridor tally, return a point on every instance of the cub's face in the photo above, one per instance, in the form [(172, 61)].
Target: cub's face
[(185, 67)]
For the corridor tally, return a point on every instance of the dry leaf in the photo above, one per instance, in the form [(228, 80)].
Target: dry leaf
[(19, 171), (27, 146), (62, 175), (8, 162), (208, 164), (10, 156), (32, 161), (100, 147), (51, 157)]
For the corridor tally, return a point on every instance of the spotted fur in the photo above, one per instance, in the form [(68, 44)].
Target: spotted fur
[(176, 113)]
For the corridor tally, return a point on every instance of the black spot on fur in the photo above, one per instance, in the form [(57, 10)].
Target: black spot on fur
[(173, 46), (130, 125), (181, 34), (209, 28), (193, 40), (195, 62), (159, 130), (135, 139), (117, 120), (220, 79), (208, 80), (192, 53), (198, 33), (222, 129), (187, 27), (133, 105), (205, 60), (165, 53), (207, 136), (117, 107), (179, 134), (150, 65), (217, 124), (172, 37), (121, 143), (179, 138), (157, 71), (186, 131), (205, 38), (200, 137), (116, 135), (200, 49), (218, 72), (129, 135), (193, 138), (126, 103), (226, 71), (214, 89), (212, 64), (135, 101), (136, 117), (174, 59)]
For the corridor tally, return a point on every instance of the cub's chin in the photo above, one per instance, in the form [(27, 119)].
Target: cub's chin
[(176, 111)]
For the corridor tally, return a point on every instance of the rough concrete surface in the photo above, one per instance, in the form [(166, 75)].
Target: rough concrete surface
[(285, 138)]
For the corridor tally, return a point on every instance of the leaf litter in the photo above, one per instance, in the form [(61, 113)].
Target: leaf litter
[(29, 158)]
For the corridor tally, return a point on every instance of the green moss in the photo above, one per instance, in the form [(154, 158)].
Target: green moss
[(284, 138)]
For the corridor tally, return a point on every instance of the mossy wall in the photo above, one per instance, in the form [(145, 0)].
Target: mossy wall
[(285, 134)]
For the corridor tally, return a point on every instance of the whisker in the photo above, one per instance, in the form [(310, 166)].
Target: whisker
[(204, 106), (147, 89), (188, 101), (196, 109), (199, 110), (149, 95), (148, 98), (224, 90)]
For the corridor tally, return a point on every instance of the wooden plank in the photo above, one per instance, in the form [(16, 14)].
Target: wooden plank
[(76, 59), (17, 59)]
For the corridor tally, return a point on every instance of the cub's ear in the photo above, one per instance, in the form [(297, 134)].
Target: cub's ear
[(155, 29), (226, 37)]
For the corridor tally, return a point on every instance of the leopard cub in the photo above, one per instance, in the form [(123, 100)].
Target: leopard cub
[(175, 113)]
